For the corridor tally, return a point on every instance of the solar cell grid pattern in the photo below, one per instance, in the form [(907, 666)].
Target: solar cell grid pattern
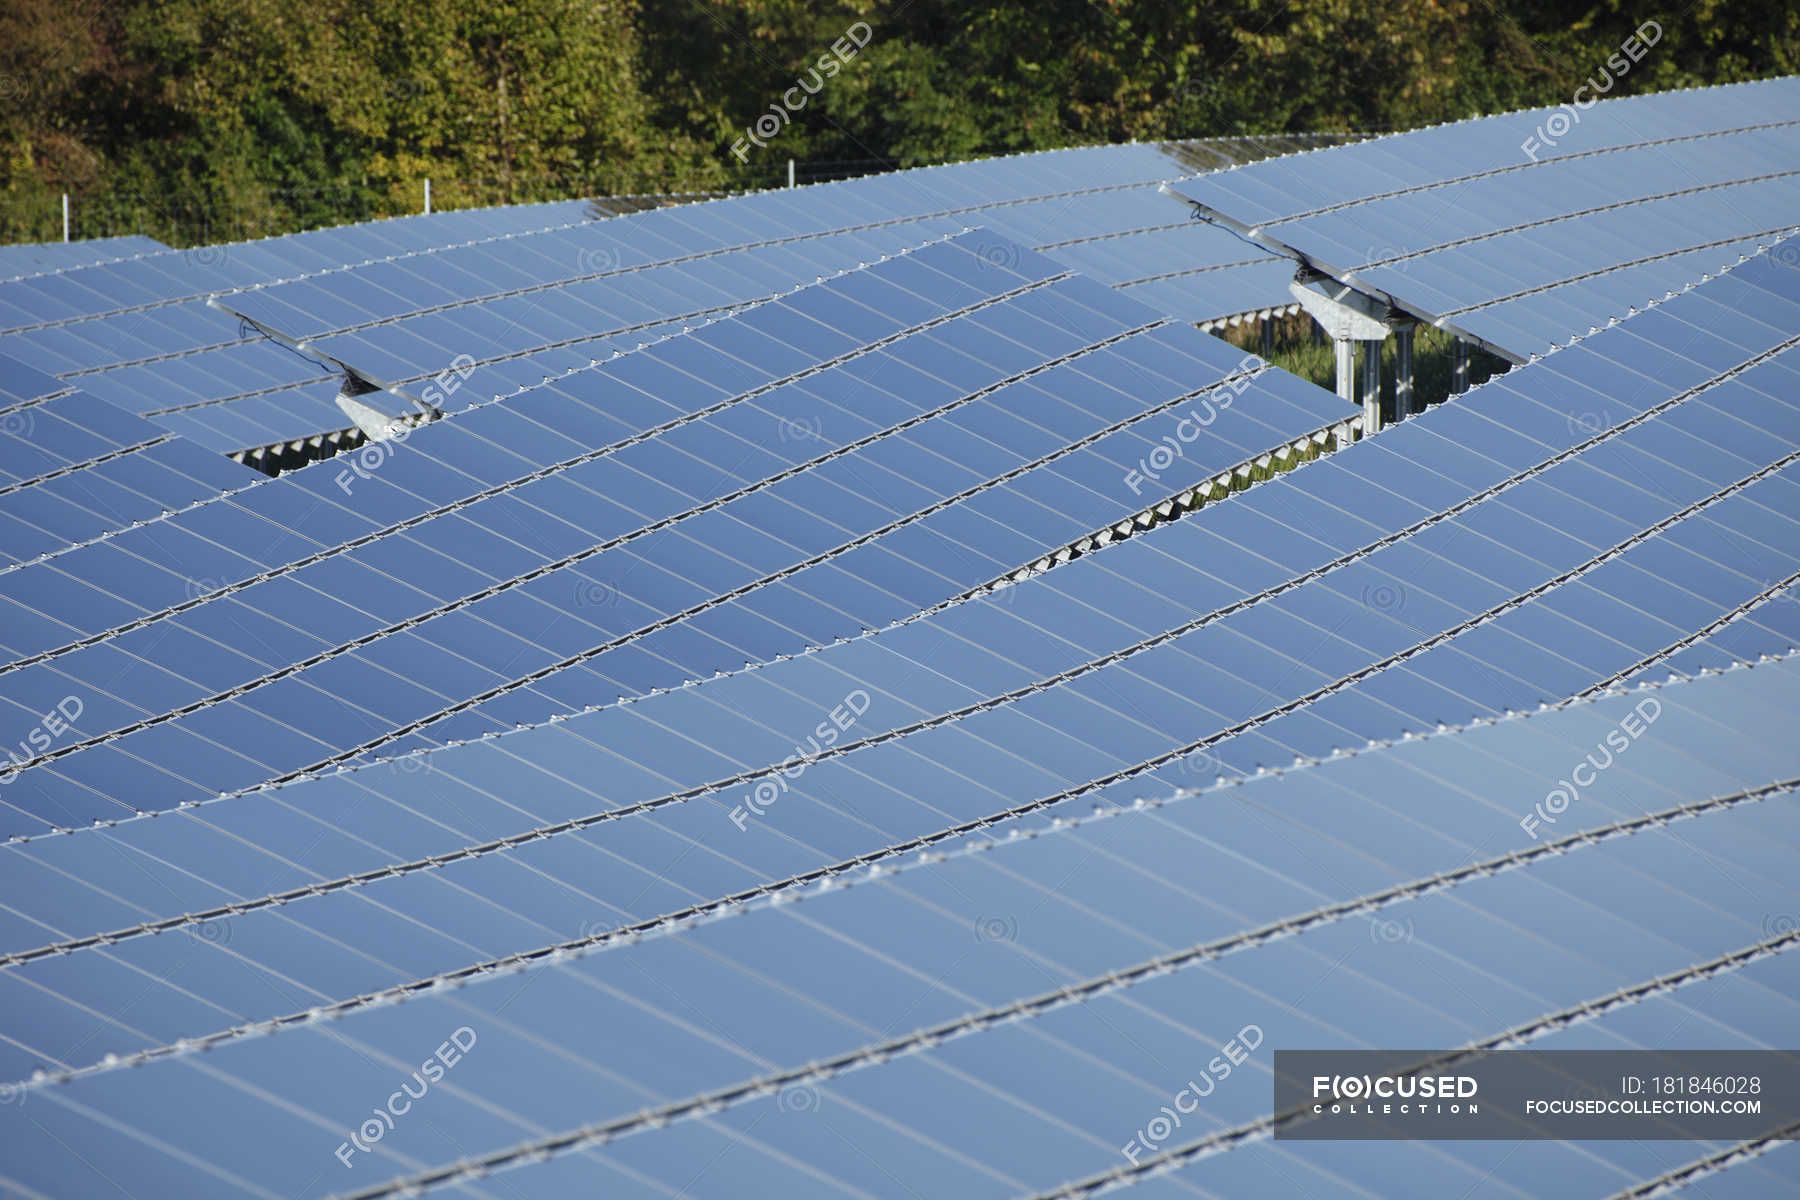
[(1524, 249), (539, 290), (944, 1026), (557, 300), (1488, 652), (138, 333), (75, 469), (39, 258), (987, 1019), (649, 731), (818, 466)]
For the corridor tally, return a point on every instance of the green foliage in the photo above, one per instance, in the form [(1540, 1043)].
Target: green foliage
[(1297, 347), (196, 119)]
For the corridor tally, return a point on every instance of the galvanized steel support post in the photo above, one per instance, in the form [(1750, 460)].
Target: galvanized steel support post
[(1371, 387), (1406, 400), (1345, 350)]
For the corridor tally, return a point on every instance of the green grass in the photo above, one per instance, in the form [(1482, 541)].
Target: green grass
[(1296, 350)]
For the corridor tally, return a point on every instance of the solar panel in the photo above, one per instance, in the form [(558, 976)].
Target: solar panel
[(107, 326), (1520, 248), (1144, 243), (969, 1004), (37, 258), (933, 460), (1223, 646), (77, 469), (20, 384), (1119, 695), (137, 331), (398, 322), (863, 597)]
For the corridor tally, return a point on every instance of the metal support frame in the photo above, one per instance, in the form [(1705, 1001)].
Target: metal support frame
[(1345, 350), (1371, 387), (1268, 336), (1406, 400), (1350, 317), (1459, 368)]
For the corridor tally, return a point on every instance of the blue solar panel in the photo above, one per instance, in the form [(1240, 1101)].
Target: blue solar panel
[(1209, 674), (1523, 246), (77, 469), (138, 332), (401, 267), (945, 455), (831, 598), (40, 258), (650, 1047), (389, 320)]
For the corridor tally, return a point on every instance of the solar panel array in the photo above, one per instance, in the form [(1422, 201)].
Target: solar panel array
[(997, 1019), (817, 466), (37, 258), (1520, 245), (796, 755), (558, 300), (138, 333), (524, 282), (75, 469)]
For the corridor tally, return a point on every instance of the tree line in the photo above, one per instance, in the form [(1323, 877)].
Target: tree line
[(207, 119)]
